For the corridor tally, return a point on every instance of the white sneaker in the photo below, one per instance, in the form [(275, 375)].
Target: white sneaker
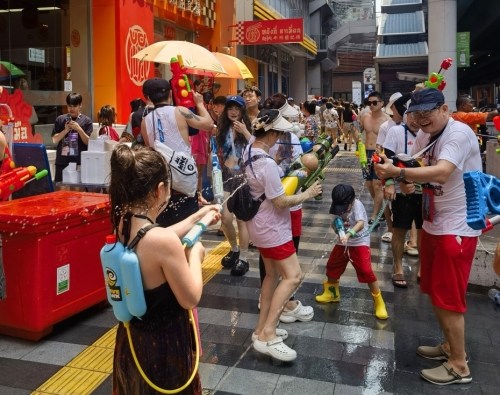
[(300, 313), (279, 332), (276, 349)]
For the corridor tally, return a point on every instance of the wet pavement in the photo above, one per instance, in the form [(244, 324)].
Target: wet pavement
[(343, 350)]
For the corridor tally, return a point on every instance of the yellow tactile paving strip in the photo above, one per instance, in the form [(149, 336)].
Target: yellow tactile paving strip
[(84, 373)]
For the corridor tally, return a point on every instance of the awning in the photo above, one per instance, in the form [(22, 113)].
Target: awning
[(399, 24)]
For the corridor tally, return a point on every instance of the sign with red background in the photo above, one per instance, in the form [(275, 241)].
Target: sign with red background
[(276, 31), (134, 31), (21, 114)]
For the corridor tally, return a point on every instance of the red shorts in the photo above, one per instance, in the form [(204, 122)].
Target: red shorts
[(296, 217), (360, 257), (278, 253), (445, 265)]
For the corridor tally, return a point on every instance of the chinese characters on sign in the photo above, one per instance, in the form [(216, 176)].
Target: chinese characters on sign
[(277, 31)]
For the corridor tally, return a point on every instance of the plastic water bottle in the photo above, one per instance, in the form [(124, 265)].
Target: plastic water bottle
[(111, 256), (494, 295)]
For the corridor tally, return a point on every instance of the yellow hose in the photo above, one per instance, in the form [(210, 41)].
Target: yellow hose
[(196, 362)]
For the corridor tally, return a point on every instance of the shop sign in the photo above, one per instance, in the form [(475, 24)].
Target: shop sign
[(36, 55), (463, 49), (277, 31)]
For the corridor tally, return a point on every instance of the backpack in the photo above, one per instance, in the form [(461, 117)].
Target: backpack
[(241, 203)]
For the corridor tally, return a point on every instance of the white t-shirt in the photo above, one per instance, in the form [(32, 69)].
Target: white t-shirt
[(296, 152), (396, 138), (458, 145), (271, 226), (382, 131), (162, 125), (357, 213)]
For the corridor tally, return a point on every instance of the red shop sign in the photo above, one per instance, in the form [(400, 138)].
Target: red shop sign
[(276, 31)]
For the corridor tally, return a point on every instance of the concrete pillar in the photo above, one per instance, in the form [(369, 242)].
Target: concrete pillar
[(442, 19)]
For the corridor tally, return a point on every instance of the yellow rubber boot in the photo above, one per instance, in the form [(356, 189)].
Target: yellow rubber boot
[(380, 310), (331, 293)]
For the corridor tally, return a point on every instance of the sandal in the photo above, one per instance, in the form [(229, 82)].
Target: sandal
[(276, 349), (300, 313), (399, 281), (387, 237), (444, 375), (412, 251), (279, 332)]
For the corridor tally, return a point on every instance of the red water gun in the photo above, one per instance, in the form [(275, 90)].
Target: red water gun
[(436, 80), (181, 87), (7, 163), (17, 178)]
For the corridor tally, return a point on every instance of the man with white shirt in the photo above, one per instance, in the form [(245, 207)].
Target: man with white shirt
[(448, 244)]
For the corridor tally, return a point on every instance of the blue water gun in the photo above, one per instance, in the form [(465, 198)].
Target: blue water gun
[(482, 193)]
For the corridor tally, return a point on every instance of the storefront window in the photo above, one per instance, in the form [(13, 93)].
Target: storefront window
[(44, 51)]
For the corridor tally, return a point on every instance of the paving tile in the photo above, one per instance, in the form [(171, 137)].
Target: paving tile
[(320, 348), (24, 375), (13, 391), (293, 385), (211, 374), (241, 381), (56, 353), (226, 334), (346, 334)]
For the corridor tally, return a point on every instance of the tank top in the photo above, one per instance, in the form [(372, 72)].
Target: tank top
[(162, 126)]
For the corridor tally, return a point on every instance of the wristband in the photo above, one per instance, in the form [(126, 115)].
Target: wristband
[(351, 232), (389, 182)]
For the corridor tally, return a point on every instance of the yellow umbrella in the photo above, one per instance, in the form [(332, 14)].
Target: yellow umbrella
[(196, 59), (234, 67)]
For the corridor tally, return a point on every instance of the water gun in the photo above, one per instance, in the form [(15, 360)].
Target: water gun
[(182, 93), (308, 167), (436, 80), (399, 160), (180, 84), (7, 163), (363, 159), (17, 178), (338, 227), (217, 183), (482, 194)]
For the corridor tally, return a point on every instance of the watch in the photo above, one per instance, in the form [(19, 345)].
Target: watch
[(401, 177)]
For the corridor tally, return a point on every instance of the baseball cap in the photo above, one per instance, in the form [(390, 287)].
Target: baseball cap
[(235, 100), (271, 120), (425, 100), (155, 88), (392, 99), (342, 196), (290, 99)]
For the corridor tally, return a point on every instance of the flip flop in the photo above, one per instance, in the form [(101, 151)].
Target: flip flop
[(399, 281)]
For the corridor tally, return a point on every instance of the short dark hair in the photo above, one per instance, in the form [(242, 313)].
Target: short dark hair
[(74, 99), (463, 99), (253, 88), (220, 100), (375, 94)]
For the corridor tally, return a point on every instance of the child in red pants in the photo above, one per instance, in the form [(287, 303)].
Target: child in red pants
[(350, 224)]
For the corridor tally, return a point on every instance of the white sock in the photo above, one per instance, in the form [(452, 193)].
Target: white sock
[(244, 255), (235, 249)]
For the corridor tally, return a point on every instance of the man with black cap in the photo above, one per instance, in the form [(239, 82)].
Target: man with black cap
[(174, 123), (353, 245), (449, 149)]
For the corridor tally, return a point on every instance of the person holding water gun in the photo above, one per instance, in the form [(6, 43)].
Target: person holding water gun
[(140, 188)]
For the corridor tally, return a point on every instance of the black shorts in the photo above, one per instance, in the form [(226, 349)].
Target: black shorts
[(406, 209)]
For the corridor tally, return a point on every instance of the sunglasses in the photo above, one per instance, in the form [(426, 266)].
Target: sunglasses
[(374, 102)]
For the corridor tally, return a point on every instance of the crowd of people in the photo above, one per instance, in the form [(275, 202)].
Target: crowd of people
[(255, 140)]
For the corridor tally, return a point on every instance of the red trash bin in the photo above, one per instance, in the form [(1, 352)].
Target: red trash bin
[(51, 246)]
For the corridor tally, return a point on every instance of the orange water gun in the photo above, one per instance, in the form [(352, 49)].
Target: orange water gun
[(17, 178)]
